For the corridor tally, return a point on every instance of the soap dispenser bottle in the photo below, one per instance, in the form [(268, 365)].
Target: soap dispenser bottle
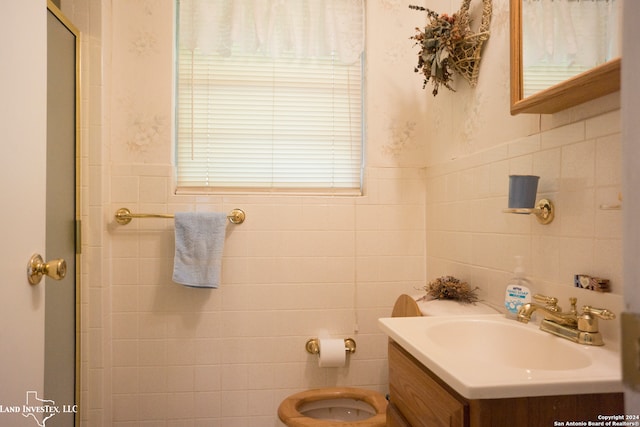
[(518, 290)]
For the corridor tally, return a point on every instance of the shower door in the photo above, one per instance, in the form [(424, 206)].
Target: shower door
[(60, 376)]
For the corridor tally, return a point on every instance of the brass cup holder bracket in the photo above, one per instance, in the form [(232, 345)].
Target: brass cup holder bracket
[(544, 211), (313, 345)]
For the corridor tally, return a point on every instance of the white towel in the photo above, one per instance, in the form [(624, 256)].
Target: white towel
[(199, 243)]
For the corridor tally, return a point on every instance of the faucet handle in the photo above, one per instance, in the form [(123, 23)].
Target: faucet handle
[(550, 302), (603, 313), (588, 320)]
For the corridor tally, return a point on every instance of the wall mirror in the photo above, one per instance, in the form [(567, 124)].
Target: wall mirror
[(563, 53)]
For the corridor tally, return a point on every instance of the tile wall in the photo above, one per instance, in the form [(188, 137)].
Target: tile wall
[(296, 266), (156, 353), (579, 165)]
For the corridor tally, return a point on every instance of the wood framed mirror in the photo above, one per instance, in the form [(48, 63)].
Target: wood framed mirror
[(586, 85)]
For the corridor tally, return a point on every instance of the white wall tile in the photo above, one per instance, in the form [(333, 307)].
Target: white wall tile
[(574, 132), (604, 124), (608, 169), (547, 165), (577, 166)]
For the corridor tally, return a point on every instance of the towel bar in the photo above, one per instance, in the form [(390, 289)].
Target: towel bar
[(124, 216)]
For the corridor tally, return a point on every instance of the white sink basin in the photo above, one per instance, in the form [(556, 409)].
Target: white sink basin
[(489, 356), (508, 344)]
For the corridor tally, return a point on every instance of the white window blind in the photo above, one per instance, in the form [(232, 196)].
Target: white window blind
[(252, 121)]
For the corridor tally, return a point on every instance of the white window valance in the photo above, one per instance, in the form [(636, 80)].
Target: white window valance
[(304, 28), (273, 100)]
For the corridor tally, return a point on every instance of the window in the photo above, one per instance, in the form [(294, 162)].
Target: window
[(264, 103)]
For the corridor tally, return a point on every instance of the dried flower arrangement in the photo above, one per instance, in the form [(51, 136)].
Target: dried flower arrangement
[(436, 45), (447, 44), (448, 287)]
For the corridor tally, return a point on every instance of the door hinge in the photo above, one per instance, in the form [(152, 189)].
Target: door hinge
[(78, 236)]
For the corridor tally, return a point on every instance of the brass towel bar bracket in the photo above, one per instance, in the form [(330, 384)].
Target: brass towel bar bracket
[(124, 216)]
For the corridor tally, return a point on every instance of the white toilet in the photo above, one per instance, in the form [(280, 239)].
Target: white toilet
[(334, 406)]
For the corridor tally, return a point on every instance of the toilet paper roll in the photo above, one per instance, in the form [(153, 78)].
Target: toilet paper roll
[(332, 353)]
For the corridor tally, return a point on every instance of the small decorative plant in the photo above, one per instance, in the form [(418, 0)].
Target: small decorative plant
[(448, 287)]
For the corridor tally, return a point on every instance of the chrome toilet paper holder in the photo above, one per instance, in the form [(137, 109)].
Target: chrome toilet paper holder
[(313, 345)]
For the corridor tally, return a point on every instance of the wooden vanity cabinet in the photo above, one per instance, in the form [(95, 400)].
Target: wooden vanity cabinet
[(418, 398)]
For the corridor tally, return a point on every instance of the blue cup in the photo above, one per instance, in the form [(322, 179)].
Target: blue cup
[(522, 191)]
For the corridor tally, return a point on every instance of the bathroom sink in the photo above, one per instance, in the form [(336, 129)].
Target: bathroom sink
[(490, 356), (508, 344)]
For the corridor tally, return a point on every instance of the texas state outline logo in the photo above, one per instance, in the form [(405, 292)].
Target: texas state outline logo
[(39, 409)]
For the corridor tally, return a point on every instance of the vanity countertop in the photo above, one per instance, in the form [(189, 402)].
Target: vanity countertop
[(489, 356)]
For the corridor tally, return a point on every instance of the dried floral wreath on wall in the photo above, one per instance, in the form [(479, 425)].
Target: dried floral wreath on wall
[(448, 287), (447, 44)]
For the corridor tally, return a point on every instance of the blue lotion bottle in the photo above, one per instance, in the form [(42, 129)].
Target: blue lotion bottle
[(518, 292)]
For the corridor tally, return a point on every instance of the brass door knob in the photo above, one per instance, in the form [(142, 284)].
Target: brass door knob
[(56, 269)]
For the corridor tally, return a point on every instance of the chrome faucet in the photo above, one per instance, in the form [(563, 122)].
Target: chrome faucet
[(581, 328)]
